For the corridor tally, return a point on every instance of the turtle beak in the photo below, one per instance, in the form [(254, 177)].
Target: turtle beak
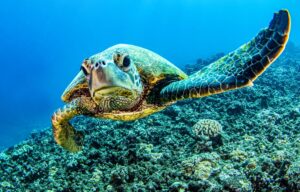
[(76, 88)]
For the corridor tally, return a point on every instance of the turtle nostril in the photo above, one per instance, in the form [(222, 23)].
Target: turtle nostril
[(100, 63)]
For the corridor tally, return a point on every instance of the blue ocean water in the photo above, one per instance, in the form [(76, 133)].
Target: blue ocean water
[(42, 43)]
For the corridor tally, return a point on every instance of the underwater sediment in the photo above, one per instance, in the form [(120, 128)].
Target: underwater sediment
[(243, 140)]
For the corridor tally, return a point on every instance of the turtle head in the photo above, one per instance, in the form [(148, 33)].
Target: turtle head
[(113, 81)]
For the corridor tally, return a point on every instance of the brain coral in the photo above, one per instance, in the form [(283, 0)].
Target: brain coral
[(206, 127)]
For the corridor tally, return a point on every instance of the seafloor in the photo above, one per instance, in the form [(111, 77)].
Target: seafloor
[(258, 148)]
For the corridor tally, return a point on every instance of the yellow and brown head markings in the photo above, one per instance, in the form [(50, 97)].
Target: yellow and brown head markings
[(86, 67), (113, 80), (117, 58)]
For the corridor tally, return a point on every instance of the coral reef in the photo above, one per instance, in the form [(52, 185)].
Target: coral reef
[(206, 127), (207, 135), (258, 149)]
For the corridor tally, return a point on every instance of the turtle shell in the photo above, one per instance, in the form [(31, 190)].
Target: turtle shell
[(155, 71)]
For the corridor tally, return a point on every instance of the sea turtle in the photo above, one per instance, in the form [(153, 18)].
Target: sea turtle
[(126, 82)]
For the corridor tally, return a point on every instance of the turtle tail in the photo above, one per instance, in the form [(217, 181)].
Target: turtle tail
[(64, 134)]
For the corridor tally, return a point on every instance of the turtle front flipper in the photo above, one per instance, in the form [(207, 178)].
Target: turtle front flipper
[(237, 69), (64, 134)]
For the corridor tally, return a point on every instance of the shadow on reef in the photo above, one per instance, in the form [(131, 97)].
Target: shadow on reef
[(244, 140)]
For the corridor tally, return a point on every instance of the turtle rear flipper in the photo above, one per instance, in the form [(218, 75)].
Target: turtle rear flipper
[(237, 69)]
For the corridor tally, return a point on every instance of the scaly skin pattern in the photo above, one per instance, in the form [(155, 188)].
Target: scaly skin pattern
[(237, 69), (64, 134)]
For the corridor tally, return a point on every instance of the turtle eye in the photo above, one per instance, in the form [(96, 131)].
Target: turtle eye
[(126, 61), (122, 60)]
